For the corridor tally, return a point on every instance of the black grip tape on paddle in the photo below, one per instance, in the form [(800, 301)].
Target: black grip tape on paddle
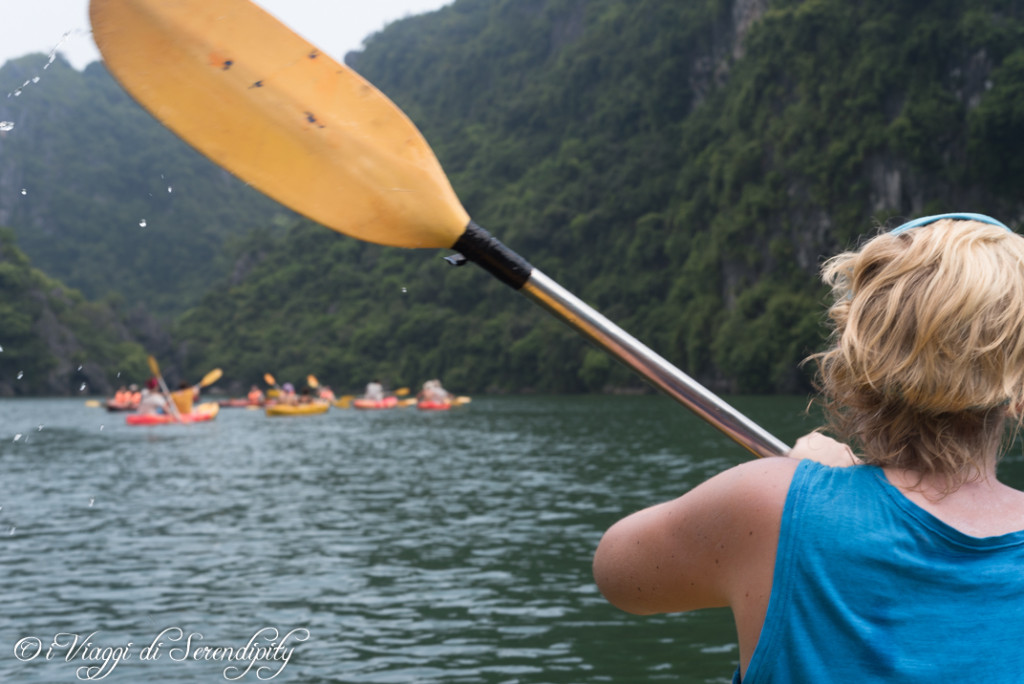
[(483, 249)]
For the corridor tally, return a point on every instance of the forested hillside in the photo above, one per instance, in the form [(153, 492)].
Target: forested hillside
[(682, 165), (104, 198), (54, 341)]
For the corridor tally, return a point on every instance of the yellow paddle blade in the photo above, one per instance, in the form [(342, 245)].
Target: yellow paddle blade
[(211, 377), (262, 102), (269, 379), (411, 401), (401, 391), (461, 401), (312, 381), (344, 401), (154, 367)]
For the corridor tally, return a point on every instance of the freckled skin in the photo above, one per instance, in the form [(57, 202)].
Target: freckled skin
[(712, 547)]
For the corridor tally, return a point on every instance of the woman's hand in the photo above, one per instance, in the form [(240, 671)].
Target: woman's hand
[(817, 447)]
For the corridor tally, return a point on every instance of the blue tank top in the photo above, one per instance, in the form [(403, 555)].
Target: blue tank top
[(869, 587)]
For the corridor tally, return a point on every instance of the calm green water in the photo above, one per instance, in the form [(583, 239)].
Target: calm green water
[(409, 547)]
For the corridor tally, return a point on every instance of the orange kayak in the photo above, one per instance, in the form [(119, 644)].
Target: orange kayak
[(114, 405), (385, 403)]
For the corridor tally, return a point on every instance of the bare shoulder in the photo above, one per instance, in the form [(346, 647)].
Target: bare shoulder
[(818, 447), (762, 478), (750, 493), (695, 551)]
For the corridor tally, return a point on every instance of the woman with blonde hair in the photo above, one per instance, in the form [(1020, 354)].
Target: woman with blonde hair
[(896, 556)]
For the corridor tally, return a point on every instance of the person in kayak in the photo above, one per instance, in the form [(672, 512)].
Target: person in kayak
[(122, 395), (434, 392), (374, 391), (255, 396), (288, 395), (184, 397), (900, 562), (153, 401)]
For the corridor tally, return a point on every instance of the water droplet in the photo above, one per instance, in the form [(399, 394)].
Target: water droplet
[(40, 429), (101, 427), (1, 348), (82, 388), (24, 192), (6, 126), (17, 92), (36, 79), (118, 373), (21, 374), (79, 369), (91, 502), (53, 52), (142, 223), (169, 189), (17, 437), (12, 531), (404, 290)]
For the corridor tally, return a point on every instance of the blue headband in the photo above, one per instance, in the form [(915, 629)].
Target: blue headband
[(925, 220)]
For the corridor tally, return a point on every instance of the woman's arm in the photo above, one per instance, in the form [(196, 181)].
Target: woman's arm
[(714, 546)]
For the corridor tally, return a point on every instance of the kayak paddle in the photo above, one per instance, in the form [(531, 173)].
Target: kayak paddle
[(264, 103), (154, 368), (210, 378)]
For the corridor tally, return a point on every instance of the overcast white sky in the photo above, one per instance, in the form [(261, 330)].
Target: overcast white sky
[(335, 26)]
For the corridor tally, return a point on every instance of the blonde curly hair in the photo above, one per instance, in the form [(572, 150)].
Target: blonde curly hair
[(926, 360)]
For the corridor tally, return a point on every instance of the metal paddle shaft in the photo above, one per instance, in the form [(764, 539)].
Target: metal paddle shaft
[(480, 247)]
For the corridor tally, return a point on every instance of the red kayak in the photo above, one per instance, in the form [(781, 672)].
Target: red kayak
[(427, 405), (372, 404), (200, 414), (238, 403)]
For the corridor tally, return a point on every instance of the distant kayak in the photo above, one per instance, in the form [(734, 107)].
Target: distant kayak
[(238, 403), (434, 405), (426, 405), (309, 409), (113, 405), (375, 404), (202, 413)]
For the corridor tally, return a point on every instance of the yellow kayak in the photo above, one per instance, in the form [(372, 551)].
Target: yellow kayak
[(309, 409)]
